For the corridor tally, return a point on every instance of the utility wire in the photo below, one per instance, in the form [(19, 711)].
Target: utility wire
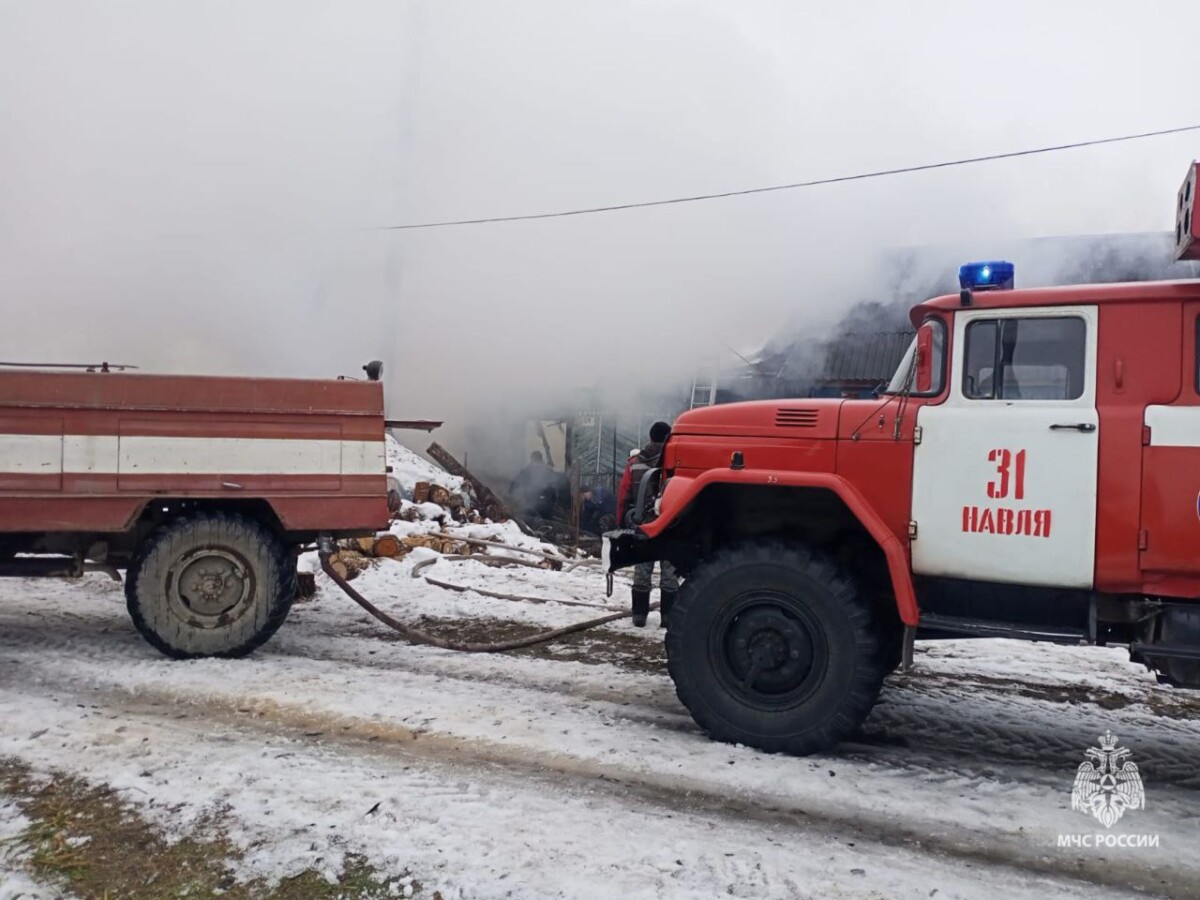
[(794, 185)]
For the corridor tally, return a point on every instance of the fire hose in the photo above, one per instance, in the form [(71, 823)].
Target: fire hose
[(325, 550), (567, 564), (492, 561)]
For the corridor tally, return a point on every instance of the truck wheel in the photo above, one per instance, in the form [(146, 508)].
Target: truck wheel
[(210, 584), (770, 646)]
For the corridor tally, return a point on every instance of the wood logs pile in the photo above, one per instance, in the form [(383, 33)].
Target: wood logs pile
[(488, 504), (353, 555), (385, 544), (348, 563), (436, 542), (427, 492), (380, 546)]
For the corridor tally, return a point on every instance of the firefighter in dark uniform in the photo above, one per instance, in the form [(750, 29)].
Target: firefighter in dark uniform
[(636, 469)]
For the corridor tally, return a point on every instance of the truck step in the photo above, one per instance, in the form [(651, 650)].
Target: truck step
[(989, 628)]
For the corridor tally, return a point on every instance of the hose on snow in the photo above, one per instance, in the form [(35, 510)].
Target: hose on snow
[(325, 551)]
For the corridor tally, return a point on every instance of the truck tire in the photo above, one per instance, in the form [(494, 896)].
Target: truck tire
[(210, 584), (771, 646)]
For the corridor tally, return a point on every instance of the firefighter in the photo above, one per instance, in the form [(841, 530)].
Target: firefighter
[(595, 506), (637, 468), (535, 489)]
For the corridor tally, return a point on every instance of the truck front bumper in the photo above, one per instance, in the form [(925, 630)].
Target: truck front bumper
[(627, 547)]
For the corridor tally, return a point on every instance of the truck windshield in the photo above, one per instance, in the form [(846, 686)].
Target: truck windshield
[(905, 379), (904, 372)]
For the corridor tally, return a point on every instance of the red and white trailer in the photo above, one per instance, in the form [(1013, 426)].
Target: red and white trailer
[(203, 488)]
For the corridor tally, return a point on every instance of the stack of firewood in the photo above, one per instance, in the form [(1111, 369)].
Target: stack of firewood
[(455, 503), (348, 562), (384, 544), (353, 555), (436, 542)]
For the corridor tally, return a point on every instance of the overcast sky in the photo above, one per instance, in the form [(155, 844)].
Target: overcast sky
[(200, 185)]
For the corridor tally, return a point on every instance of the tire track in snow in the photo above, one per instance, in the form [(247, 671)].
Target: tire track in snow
[(942, 728), (50, 667), (921, 724), (150, 748), (637, 698), (679, 795)]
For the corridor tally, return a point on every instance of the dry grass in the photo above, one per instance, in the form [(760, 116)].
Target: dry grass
[(98, 847)]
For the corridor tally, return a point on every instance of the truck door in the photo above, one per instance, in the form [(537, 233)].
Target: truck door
[(1171, 468), (1004, 476)]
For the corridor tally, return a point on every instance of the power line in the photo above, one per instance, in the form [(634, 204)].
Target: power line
[(794, 185)]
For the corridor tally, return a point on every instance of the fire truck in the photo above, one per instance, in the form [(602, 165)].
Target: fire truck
[(1032, 471), (202, 488)]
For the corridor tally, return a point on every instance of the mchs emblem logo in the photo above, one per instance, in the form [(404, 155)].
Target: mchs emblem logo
[(1107, 783)]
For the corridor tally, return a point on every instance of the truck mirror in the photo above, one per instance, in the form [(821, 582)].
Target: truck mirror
[(924, 360)]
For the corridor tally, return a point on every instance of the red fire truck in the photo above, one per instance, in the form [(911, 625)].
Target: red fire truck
[(203, 488), (1032, 471)]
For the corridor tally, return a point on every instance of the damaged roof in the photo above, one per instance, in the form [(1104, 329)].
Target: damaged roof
[(864, 357)]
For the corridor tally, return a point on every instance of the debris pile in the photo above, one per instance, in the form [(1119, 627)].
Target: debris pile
[(490, 506), (447, 512)]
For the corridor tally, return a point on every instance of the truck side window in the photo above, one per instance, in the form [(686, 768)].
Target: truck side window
[(1034, 358)]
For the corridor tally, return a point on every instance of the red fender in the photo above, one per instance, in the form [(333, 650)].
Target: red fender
[(682, 491)]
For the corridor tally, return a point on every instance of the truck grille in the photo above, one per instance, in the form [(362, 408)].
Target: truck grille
[(796, 418)]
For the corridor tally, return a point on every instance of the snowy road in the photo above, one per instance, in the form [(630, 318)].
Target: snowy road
[(541, 775)]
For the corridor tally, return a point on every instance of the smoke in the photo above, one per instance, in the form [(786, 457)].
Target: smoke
[(919, 273), (200, 187)]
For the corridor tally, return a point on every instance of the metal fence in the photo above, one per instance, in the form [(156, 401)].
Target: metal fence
[(600, 442)]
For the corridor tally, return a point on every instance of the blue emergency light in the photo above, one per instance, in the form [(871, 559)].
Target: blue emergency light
[(996, 275)]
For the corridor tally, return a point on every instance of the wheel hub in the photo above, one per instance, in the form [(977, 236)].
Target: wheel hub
[(769, 653), (210, 587)]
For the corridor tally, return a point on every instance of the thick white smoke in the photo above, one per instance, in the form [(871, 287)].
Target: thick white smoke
[(200, 186)]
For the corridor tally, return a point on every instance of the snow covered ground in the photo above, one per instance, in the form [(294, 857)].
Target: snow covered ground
[(408, 468), (15, 885), (573, 771)]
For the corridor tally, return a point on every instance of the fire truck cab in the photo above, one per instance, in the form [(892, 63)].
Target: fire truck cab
[(1032, 471), (202, 488)]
